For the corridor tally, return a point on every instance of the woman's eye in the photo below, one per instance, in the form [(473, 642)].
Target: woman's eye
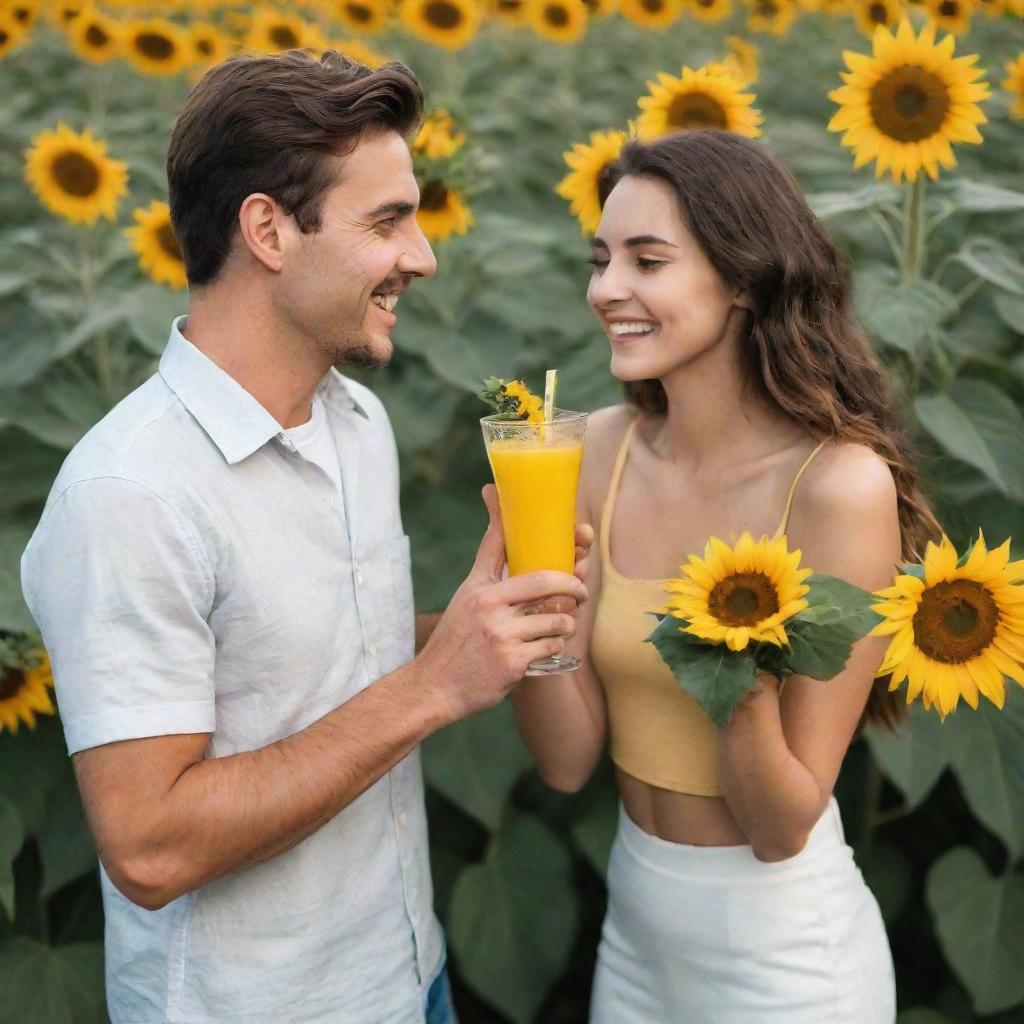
[(595, 262), (644, 263)]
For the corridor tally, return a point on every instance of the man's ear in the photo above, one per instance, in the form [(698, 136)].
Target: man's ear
[(262, 224)]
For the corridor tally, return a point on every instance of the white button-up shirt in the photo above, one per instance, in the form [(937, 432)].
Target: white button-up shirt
[(193, 573)]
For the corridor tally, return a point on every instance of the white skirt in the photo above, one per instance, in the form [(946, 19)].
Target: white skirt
[(711, 935)]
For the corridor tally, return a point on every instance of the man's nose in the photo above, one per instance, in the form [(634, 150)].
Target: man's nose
[(418, 259)]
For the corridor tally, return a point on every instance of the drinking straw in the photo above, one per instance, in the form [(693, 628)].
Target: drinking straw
[(550, 385)]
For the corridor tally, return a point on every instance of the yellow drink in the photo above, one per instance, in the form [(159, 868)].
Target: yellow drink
[(536, 480)]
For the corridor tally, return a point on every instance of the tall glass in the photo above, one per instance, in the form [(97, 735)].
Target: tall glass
[(536, 468)]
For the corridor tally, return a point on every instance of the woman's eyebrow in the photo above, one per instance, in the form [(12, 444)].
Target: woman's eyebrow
[(600, 243)]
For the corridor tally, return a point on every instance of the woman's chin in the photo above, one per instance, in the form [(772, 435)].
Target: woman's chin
[(629, 369)]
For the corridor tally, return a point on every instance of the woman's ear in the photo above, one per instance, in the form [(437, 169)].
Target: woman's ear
[(742, 300)]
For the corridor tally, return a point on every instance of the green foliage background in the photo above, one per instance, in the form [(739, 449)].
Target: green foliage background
[(936, 815)]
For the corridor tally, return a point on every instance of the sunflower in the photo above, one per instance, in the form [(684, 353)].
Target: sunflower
[(364, 16), (710, 11), (951, 15), (450, 24), (156, 46), (209, 45), (25, 691), (528, 404), (697, 99), (742, 60), (442, 212), (94, 36), (740, 595), (992, 8), (63, 12), (561, 21), (359, 51), (153, 240), (437, 137), (906, 104), (73, 176), (274, 30), (22, 12), (587, 163), (773, 16), (1013, 83), (869, 14), (957, 627), (11, 34), (508, 12), (601, 8), (651, 14)]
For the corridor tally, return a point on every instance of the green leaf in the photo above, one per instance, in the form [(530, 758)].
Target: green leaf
[(14, 614), (913, 758), (149, 312), (1011, 310), (819, 652), (52, 985), (889, 875), (922, 1015), (979, 423), (57, 408), (833, 601), (65, 842), (900, 313), (513, 918), (12, 836), (31, 762), (985, 749), (983, 197), (476, 762), (827, 205), (27, 468), (993, 262), (714, 676), (593, 831), (980, 924)]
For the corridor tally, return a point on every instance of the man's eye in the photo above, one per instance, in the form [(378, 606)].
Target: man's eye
[(389, 224)]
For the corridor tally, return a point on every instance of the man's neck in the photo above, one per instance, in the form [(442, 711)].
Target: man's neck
[(236, 328)]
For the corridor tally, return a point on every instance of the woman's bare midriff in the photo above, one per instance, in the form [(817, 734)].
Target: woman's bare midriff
[(679, 817)]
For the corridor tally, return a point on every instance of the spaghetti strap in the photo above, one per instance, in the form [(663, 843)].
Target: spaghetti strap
[(792, 488), (613, 490)]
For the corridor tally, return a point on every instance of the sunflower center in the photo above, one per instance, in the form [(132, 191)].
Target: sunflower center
[(955, 621), (653, 6), (909, 103), (696, 110), (204, 46), (3, 36), (76, 174), (556, 15), (434, 196), (765, 8), (357, 12), (154, 46), (11, 683), (282, 36), (95, 36), (949, 8), (879, 14), (442, 15), (510, 6), (743, 599)]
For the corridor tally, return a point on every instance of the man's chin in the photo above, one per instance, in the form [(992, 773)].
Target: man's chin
[(366, 354)]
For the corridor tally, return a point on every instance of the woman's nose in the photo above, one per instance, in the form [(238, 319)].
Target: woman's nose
[(607, 288)]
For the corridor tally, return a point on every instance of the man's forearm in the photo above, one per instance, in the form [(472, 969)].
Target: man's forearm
[(225, 814)]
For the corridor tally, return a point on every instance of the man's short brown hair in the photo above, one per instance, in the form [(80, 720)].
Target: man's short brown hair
[(270, 124)]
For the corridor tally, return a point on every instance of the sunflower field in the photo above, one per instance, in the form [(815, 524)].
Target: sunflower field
[(903, 122)]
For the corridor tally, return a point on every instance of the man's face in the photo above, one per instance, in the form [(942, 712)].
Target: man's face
[(338, 287)]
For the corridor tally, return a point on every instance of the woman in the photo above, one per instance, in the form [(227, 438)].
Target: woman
[(753, 404)]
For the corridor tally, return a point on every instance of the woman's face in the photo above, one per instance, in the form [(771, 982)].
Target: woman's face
[(659, 299)]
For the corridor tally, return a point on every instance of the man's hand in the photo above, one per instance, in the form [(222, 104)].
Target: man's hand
[(487, 637)]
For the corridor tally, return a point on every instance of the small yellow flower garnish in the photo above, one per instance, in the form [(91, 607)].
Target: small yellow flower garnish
[(512, 399)]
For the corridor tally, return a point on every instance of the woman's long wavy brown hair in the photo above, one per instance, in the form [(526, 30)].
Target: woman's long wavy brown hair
[(804, 349)]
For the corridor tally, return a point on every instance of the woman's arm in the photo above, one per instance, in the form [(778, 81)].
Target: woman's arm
[(779, 757)]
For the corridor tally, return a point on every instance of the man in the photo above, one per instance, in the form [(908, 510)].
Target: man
[(222, 580)]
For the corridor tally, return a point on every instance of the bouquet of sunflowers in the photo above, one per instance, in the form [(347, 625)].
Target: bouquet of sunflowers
[(957, 623)]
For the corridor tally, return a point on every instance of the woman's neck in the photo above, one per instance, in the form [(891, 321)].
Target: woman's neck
[(714, 420)]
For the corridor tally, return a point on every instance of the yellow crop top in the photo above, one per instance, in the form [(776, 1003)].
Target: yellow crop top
[(659, 734)]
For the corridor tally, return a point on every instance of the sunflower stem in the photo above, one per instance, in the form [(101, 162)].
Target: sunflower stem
[(969, 290), (914, 229), (890, 237)]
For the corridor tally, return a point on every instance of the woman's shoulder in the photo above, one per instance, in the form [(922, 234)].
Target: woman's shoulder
[(606, 430), (847, 475)]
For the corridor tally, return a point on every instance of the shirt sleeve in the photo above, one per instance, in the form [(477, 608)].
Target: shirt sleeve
[(121, 590)]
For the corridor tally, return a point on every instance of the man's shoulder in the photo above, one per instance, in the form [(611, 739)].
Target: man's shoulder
[(137, 440)]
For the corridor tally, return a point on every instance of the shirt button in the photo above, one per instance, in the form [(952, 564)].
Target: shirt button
[(359, 576), (373, 651), (414, 892), (401, 820)]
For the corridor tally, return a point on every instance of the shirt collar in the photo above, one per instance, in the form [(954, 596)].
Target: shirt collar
[(234, 420)]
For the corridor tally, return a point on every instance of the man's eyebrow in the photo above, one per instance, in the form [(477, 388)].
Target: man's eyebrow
[(638, 240), (398, 208)]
